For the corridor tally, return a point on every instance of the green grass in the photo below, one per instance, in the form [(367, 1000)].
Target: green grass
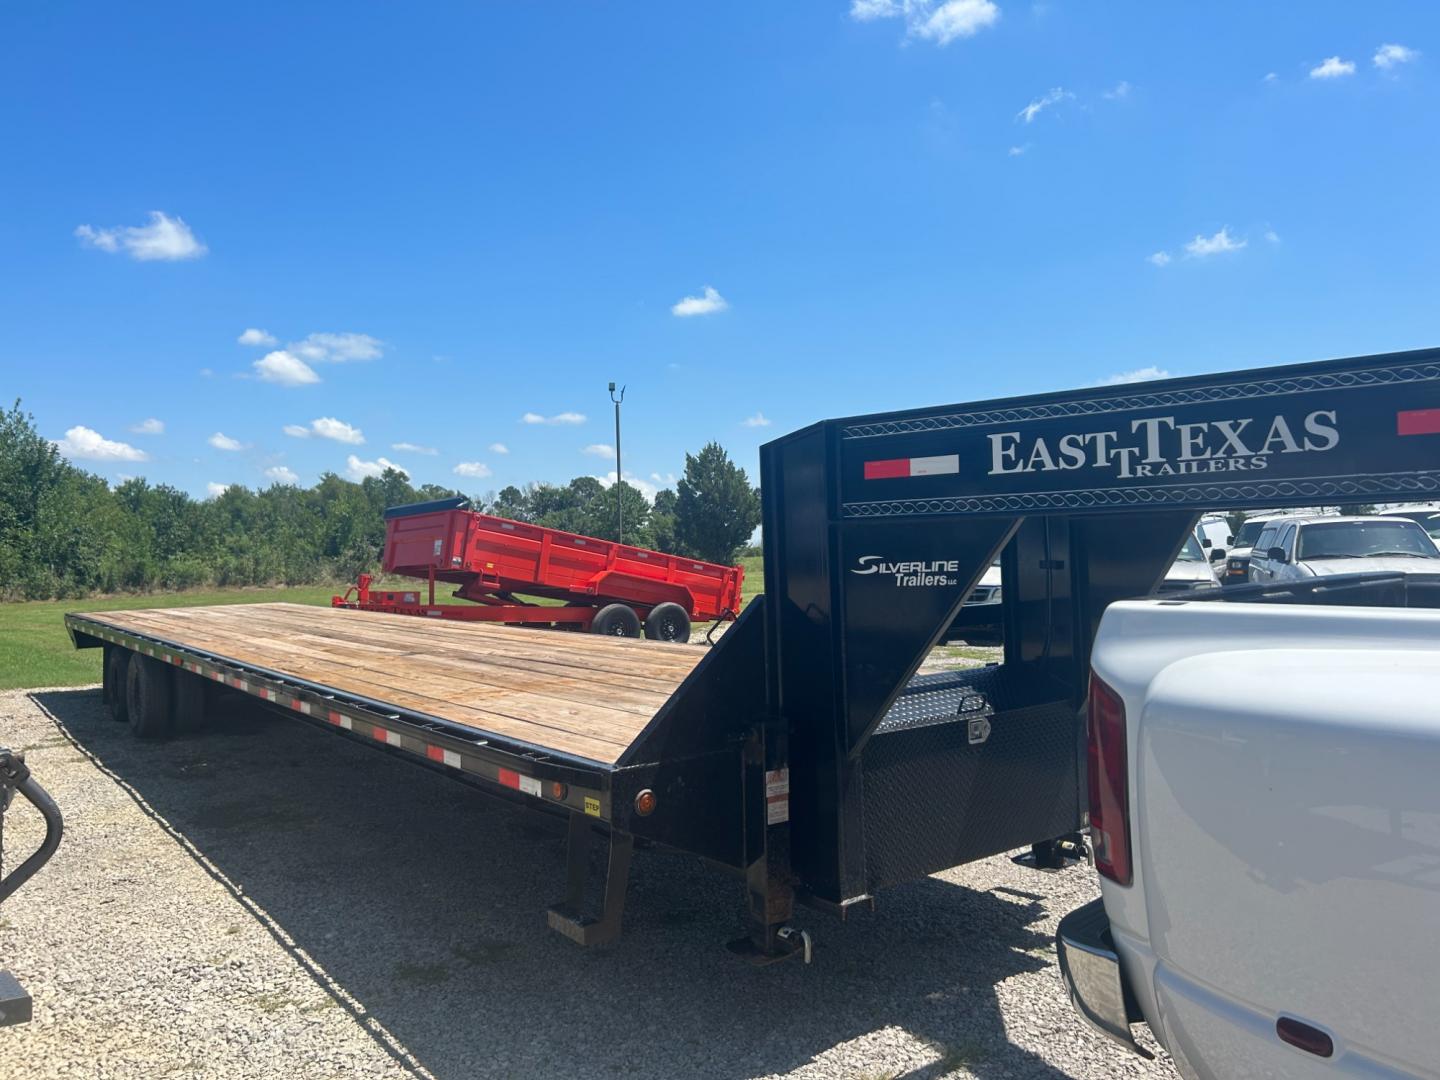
[(35, 650)]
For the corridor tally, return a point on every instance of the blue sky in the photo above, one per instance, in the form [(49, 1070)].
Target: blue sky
[(443, 219)]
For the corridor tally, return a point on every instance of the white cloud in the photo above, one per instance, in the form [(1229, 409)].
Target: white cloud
[(149, 427), (599, 449), (297, 431), (558, 418), (1160, 258), (1040, 104), (1204, 246), (1270, 76), (758, 420), (252, 336), (1120, 92), (164, 238), (1388, 56), (337, 348), (1144, 374), (216, 490), (941, 22), (1332, 67), (867, 10), (359, 470), (709, 302), (286, 369), (410, 447), (85, 444), (476, 470), (645, 487), (499, 448), (668, 480), (1016, 151), (1271, 236), (221, 441), (956, 19), (281, 474), (327, 427)]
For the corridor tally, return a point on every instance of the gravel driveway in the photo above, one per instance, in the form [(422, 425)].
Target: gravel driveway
[(267, 900)]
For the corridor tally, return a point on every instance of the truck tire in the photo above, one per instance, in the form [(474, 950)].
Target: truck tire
[(668, 622), (116, 661), (616, 620), (192, 701), (147, 697)]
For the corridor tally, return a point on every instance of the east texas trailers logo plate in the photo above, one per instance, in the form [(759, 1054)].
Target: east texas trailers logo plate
[(1359, 430)]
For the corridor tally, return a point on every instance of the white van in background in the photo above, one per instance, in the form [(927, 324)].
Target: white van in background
[(1214, 534)]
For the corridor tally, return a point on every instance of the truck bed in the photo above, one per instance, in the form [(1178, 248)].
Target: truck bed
[(582, 695)]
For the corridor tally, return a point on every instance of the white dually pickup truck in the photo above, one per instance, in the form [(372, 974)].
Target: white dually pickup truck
[(1265, 816)]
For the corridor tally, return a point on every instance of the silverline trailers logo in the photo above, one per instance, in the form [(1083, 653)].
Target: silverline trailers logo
[(1160, 446), (911, 574)]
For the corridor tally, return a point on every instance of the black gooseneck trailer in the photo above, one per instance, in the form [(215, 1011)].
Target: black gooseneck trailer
[(804, 752)]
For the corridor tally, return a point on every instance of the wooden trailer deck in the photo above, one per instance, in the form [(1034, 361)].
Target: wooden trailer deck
[(580, 694)]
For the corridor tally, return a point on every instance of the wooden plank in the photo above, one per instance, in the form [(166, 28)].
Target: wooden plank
[(509, 647), (590, 651), (580, 694), (560, 683)]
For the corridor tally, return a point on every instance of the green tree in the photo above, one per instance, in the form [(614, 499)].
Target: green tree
[(662, 520), (716, 509)]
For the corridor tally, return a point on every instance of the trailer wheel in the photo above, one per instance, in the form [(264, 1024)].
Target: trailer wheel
[(116, 661), (616, 620), (192, 701), (668, 622), (147, 697)]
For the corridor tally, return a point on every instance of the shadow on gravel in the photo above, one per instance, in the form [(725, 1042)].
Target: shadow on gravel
[(425, 901)]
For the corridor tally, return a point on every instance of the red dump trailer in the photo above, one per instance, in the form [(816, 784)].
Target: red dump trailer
[(604, 587)]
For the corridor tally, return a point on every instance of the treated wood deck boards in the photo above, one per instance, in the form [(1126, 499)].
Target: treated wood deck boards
[(577, 693)]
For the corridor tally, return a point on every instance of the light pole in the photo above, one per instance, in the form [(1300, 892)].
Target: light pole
[(619, 495)]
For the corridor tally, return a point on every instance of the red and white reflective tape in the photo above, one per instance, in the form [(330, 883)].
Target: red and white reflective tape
[(897, 468), (1418, 422), (339, 720), (445, 757), (385, 735), (519, 781)]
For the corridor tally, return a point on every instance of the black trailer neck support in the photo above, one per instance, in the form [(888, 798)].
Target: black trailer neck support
[(877, 527)]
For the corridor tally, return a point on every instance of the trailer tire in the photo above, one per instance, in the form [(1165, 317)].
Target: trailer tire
[(147, 697), (616, 620), (668, 622), (193, 699), (113, 684)]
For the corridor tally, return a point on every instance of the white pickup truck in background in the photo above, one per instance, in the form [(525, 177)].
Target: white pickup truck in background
[(1265, 814)]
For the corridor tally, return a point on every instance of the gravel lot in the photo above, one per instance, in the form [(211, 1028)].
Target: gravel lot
[(268, 900)]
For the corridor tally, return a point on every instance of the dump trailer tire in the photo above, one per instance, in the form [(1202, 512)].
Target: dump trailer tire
[(668, 622), (116, 662), (193, 700), (147, 697), (616, 620)]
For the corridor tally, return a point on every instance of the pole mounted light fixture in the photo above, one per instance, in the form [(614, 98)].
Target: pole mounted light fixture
[(619, 495)]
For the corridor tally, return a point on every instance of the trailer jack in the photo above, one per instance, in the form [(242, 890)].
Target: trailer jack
[(1053, 855), (568, 917), (15, 1005)]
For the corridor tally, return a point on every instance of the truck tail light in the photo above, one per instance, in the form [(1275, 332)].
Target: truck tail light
[(1109, 782)]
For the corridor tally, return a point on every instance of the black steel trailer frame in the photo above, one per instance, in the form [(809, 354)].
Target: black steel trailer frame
[(803, 751)]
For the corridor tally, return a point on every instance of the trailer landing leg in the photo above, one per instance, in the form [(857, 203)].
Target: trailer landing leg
[(568, 916), (1052, 855)]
